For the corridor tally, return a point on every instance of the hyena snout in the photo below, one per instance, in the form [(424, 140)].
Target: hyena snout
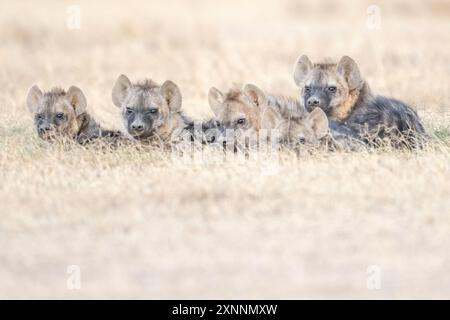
[(313, 102), (44, 127), (137, 127), (315, 99)]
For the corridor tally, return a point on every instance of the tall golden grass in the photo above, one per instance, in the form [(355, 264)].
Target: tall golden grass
[(141, 225)]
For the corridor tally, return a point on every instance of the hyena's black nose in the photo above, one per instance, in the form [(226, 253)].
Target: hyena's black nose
[(137, 127), (313, 101), (44, 129)]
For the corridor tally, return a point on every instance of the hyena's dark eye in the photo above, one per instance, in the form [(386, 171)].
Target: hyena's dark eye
[(40, 117), (217, 123), (60, 115), (301, 140), (332, 89), (307, 89), (241, 121), (129, 111), (153, 110)]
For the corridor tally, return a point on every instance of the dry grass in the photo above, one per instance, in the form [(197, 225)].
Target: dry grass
[(141, 226)]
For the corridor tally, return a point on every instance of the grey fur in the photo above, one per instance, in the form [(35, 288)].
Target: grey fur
[(90, 130), (60, 113), (380, 118), (340, 91)]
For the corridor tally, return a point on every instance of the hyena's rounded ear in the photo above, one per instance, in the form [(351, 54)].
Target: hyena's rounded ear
[(215, 100), (172, 94), (120, 90), (256, 94), (319, 122), (33, 96), (348, 68), (301, 69), (77, 100)]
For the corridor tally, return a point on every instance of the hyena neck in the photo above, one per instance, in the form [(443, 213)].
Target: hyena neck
[(87, 128), (84, 121), (356, 98), (177, 123)]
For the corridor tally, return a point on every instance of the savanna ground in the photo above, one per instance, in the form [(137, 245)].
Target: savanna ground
[(139, 225)]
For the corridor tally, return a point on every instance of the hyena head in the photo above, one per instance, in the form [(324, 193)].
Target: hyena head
[(56, 112), (310, 129), (332, 87), (239, 111), (210, 131), (146, 107)]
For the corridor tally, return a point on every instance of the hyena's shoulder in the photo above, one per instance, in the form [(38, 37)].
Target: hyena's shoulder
[(286, 106), (181, 121), (179, 127), (343, 137), (339, 128)]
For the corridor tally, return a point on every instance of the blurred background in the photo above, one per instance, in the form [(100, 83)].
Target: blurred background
[(402, 47)]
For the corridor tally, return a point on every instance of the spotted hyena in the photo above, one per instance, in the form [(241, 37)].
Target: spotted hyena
[(63, 114), (341, 92), (150, 112), (307, 130), (245, 115)]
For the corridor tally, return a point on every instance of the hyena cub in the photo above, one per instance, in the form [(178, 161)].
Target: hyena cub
[(341, 92), (62, 114), (150, 112), (244, 115), (314, 129), (309, 129)]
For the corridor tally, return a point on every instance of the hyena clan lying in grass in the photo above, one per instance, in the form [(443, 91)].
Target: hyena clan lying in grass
[(151, 112), (249, 116), (61, 114), (340, 91)]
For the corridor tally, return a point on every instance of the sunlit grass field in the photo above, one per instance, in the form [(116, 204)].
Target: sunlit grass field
[(140, 224)]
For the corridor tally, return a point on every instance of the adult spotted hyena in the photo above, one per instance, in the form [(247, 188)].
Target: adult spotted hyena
[(151, 112), (58, 113), (341, 92)]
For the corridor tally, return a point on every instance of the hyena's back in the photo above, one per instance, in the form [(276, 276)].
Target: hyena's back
[(386, 117)]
